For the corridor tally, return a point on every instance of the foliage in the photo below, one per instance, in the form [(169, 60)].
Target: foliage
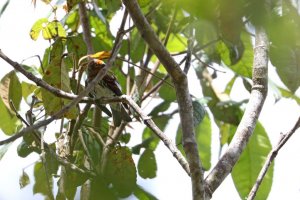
[(222, 36)]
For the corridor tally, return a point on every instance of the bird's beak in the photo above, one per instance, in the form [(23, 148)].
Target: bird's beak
[(101, 55)]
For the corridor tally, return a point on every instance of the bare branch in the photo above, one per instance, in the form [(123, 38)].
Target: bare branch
[(182, 92), (167, 142), (249, 119), (272, 155)]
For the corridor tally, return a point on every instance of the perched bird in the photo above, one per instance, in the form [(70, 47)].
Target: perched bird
[(108, 86)]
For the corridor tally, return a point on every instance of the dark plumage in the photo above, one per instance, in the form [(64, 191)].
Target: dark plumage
[(107, 87)]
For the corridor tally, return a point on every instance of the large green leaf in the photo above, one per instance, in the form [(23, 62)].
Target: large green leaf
[(147, 164), (10, 90), (9, 123), (121, 170), (27, 89), (137, 47), (103, 39), (240, 57), (203, 138), (50, 30), (37, 27), (56, 75), (73, 21), (246, 170), (42, 181)]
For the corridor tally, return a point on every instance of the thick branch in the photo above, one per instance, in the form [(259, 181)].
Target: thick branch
[(182, 91), (249, 119)]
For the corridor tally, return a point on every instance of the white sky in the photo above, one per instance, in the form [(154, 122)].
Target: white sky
[(171, 181)]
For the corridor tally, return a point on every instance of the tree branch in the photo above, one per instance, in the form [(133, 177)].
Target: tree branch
[(38, 81), (182, 92), (249, 119), (272, 155)]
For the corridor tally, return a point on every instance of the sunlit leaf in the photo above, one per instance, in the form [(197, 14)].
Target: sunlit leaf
[(53, 29), (176, 43), (73, 21), (9, 123), (37, 27), (246, 170), (121, 170), (147, 164), (24, 180), (10, 90)]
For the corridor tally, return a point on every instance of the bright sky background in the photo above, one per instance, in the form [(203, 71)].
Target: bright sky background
[(171, 181)]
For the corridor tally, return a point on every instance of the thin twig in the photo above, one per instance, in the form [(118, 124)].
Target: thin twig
[(272, 155)]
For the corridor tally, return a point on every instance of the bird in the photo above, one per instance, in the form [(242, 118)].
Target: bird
[(108, 86)]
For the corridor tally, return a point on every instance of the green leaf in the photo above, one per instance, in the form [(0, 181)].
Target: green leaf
[(226, 132), (37, 27), (9, 123), (167, 93), (147, 164), (24, 180), (121, 170), (41, 181), (176, 43), (77, 46), (287, 63), (53, 29), (4, 149), (10, 89), (141, 194), (203, 138), (229, 85), (103, 38), (137, 47), (163, 106), (239, 58), (24, 149), (27, 89), (56, 75), (246, 170), (73, 21)]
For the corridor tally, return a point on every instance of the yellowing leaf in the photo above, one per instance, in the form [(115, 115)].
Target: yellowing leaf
[(37, 27), (10, 89), (56, 74)]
